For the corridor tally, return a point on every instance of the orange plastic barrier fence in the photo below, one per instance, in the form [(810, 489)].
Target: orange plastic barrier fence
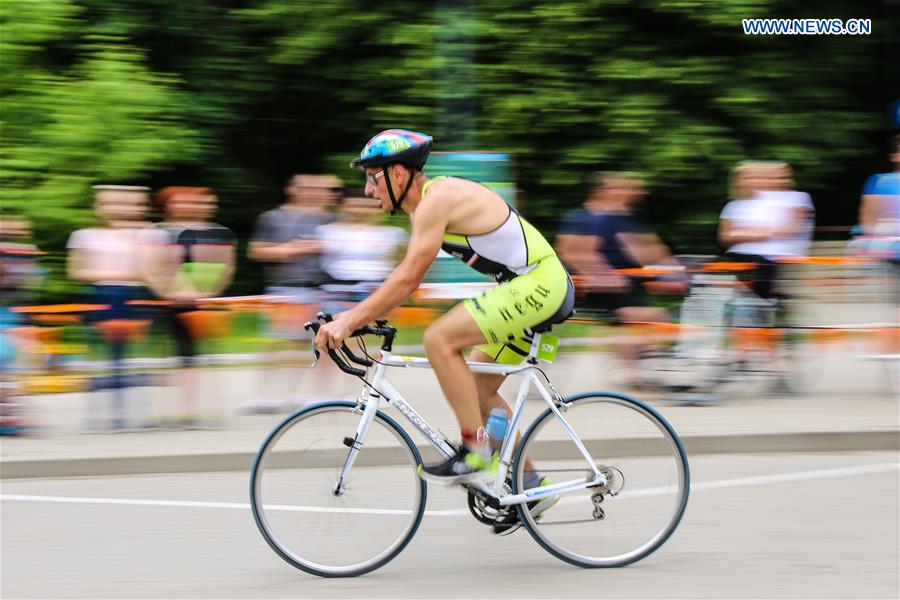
[(57, 319), (59, 308), (285, 316), (123, 329), (207, 324), (413, 316), (718, 267), (765, 338), (826, 260)]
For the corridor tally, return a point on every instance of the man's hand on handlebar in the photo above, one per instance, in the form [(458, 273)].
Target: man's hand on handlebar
[(331, 335), (337, 330)]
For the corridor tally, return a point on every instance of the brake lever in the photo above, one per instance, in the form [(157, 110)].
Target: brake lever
[(314, 327), (315, 352)]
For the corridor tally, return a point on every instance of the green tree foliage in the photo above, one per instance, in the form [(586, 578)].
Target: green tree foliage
[(237, 95), (79, 107), (673, 90)]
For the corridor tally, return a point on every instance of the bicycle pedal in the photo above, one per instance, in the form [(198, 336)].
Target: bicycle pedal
[(504, 529)]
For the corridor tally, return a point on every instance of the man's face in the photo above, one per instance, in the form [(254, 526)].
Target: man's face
[(624, 192), (314, 191), (751, 180), (376, 187), (781, 176), (14, 228), (121, 205)]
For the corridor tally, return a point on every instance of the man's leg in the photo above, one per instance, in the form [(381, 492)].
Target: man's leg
[(488, 386), (488, 397), (445, 339)]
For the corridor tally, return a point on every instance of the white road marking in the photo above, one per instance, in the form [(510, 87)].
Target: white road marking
[(655, 491)]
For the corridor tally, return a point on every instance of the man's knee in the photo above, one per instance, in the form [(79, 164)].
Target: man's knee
[(436, 340), (444, 335)]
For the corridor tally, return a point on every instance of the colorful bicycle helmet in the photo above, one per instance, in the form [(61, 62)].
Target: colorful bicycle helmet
[(394, 146)]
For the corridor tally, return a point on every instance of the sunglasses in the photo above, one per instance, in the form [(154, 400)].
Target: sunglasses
[(373, 177)]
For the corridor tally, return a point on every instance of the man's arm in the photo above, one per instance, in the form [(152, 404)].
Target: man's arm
[(428, 231), (582, 254), (223, 254), (729, 235), (265, 247), (274, 252), (77, 270), (646, 249)]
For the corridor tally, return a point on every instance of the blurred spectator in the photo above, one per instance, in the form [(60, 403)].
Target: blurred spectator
[(878, 231), (20, 271), (358, 253), (187, 258), (107, 258), (603, 237), (285, 239), (765, 221), (798, 213), (20, 276)]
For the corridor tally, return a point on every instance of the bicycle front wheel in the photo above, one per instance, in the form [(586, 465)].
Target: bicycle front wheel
[(321, 523), (643, 460)]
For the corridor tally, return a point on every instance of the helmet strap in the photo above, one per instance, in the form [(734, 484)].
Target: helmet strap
[(390, 189), (387, 181)]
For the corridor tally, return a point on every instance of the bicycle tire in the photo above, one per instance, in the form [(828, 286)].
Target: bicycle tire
[(670, 442), (276, 541)]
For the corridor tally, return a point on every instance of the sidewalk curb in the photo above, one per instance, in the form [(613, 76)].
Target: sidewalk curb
[(845, 441)]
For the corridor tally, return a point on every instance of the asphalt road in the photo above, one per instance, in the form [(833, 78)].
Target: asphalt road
[(769, 525)]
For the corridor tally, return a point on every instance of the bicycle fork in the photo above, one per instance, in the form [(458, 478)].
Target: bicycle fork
[(356, 443)]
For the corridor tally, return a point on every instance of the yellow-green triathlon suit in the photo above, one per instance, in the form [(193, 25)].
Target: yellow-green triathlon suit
[(535, 290)]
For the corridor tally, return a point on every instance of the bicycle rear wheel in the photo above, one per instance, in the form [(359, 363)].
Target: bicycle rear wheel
[(642, 456), (314, 526)]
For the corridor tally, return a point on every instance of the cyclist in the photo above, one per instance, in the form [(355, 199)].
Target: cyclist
[(474, 224)]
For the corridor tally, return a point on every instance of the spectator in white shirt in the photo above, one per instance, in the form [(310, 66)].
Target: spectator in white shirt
[(765, 221)]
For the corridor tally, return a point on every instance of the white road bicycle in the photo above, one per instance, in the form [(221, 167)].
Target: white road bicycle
[(335, 491)]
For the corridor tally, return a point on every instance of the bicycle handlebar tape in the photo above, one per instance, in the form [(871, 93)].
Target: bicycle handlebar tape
[(353, 357), (343, 366)]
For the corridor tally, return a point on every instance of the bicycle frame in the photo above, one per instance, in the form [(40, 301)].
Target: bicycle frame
[(379, 388)]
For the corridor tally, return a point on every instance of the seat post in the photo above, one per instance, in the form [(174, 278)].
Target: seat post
[(535, 345)]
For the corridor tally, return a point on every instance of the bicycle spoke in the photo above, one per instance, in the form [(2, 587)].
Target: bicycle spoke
[(647, 487), (325, 533)]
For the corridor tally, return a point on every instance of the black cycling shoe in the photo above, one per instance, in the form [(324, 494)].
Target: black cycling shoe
[(463, 467)]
